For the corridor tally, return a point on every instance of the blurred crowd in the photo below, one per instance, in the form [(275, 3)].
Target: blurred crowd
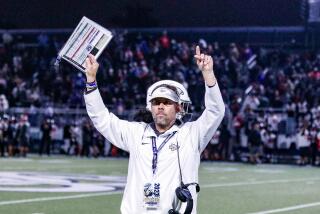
[(77, 139), (268, 92)]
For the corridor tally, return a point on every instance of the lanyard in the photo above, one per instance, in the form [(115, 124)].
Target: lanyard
[(156, 151)]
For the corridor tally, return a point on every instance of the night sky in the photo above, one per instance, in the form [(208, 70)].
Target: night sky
[(147, 13)]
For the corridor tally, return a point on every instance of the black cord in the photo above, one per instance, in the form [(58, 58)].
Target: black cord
[(182, 184)]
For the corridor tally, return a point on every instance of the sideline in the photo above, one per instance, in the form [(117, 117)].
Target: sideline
[(285, 209), (259, 182), (23, 201)]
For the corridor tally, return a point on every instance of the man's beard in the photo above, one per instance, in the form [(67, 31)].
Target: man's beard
[(161, 121)]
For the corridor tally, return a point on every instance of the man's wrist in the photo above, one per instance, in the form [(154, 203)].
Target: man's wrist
[(209, 78), (91, 79), (212, 84), (91, 84)]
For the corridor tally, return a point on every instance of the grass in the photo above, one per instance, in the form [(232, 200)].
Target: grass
[(225, 187)]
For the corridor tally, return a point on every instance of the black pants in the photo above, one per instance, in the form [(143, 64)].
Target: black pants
[(3, 146), (45, 144)]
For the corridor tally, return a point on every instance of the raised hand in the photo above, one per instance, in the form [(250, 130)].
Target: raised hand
[(204, 62), (91, 68)]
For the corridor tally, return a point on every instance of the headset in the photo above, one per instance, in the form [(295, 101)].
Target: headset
[(183, 193)]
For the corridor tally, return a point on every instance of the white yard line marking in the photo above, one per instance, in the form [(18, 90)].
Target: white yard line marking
[(2, 203), (259, 182), (23, 201), (285, 209)]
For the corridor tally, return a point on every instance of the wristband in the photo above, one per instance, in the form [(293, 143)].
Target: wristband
[(91, 84)]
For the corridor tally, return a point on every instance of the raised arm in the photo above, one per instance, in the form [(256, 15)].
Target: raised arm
[(213, 114), (118, 132)]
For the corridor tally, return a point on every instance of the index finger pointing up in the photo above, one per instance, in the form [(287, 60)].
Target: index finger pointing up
[(198, 50)]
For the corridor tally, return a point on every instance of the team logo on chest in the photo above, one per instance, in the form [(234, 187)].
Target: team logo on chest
[(173, 147)]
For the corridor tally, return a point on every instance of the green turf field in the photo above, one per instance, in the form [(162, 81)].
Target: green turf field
[(225, 187)]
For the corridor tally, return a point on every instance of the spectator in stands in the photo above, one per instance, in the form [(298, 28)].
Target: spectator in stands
[(4, 134), (314, 146), (255, 143), (23, 135), (224, 139), (100, 145), (75, 145), (213, 149), (291, 115), (66, 138), (46, 141), (12, 136), (87, 139), (7, 38), (304, 145), (2, 146), (164, 40), (318, 148), (4, 105)]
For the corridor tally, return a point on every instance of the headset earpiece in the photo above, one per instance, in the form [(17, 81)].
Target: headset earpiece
[(183, 194)]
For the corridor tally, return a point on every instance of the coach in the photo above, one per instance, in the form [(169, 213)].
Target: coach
[(164, 155)]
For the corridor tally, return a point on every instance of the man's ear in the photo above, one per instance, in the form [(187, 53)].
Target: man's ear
[(178, 108)]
